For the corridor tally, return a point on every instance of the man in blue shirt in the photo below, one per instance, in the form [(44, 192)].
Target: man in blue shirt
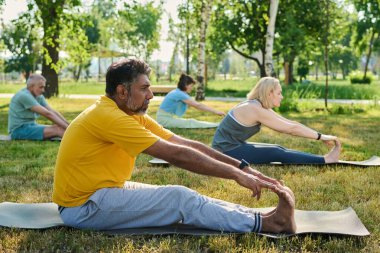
[(26, 106)]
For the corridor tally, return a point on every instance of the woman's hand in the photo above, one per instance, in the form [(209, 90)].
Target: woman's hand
[(220, 113), (325, 137), (330, 139)]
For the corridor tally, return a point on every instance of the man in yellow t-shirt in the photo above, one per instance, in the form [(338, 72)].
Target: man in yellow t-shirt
[(97, 155)]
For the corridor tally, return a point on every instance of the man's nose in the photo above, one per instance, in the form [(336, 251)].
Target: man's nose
[(150, 94)]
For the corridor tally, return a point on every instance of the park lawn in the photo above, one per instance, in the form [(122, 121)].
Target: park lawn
[(338, 89), (27, 169)]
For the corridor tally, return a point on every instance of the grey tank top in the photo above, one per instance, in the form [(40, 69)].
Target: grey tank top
[(230, 134)]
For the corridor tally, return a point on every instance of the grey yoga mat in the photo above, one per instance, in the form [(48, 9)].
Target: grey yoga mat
[(373, 161), (45, 215)]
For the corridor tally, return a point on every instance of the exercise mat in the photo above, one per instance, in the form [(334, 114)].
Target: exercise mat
[(46, 215), (157, 161), (373, 161)]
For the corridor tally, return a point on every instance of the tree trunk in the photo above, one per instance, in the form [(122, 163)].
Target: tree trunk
[(327, 73), (187, 39), (172, 63), (48, 70), (326, 51), (99, 68), (343, 72), (291, 76), (316, 71), (262, 70), (50, 15), (286, 70), (269, 69), (369, 53), (201, 73), (78, 73)]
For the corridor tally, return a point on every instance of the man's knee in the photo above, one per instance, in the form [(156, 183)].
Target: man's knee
[(182, 194)]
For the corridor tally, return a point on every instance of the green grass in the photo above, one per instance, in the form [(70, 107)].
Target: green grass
[(27, 169), (338, 89)]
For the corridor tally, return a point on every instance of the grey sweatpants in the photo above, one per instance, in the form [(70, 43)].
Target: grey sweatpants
[(142, 205)]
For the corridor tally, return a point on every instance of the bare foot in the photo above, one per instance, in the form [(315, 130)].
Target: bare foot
[(269, 213), (282, 220), (333, 155), (274, 210)]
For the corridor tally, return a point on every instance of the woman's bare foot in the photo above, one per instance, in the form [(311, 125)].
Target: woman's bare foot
[(282, 219), (333, 155)]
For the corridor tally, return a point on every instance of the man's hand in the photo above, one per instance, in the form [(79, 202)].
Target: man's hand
[(255, 184), (261, 176)]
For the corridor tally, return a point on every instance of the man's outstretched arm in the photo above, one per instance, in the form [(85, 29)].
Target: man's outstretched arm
[(193, 160), (50, 115), (57, 113), (219, 156)]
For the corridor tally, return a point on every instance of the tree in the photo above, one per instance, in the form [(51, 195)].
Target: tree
[(331, 15), (174, 36), (143, 31), (225, 67), (201, 73), (52, 16), (297, 29), (303, 69), (269, 69), (75, 43), (183, 34), (242, 26), (368, 24), (105, 14), (23, 42)]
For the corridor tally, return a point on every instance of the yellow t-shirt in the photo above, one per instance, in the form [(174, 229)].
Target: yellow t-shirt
[(99, 150)]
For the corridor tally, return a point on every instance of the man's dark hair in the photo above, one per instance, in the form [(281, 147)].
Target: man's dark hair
[(125, 72), (184, 80)]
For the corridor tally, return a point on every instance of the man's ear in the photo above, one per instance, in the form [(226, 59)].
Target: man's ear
[(121, 91)]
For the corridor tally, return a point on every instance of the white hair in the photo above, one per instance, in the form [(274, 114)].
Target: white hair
[(34, 79)]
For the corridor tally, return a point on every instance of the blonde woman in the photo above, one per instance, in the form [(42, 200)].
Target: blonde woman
[(246, 119)]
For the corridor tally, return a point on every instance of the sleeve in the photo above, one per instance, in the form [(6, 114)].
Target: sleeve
[(181, 95), (129, 134), (27, 101), (156, 128), (42, 101)]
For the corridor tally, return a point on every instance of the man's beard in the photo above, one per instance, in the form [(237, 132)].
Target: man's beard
[(136, 109)]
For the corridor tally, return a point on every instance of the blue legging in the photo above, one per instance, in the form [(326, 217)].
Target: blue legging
[(260, 153)]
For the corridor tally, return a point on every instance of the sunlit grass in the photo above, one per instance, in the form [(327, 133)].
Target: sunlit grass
[(27, 169), (338, 89)]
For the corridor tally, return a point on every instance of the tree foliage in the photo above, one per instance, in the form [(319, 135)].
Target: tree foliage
[(368, 27), (75, 43), (23, 42), (52, 15), (242, 26), (144, 32)]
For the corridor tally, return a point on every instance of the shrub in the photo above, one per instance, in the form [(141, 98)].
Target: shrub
[(290, 102), (358, 77), (346, 109)]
